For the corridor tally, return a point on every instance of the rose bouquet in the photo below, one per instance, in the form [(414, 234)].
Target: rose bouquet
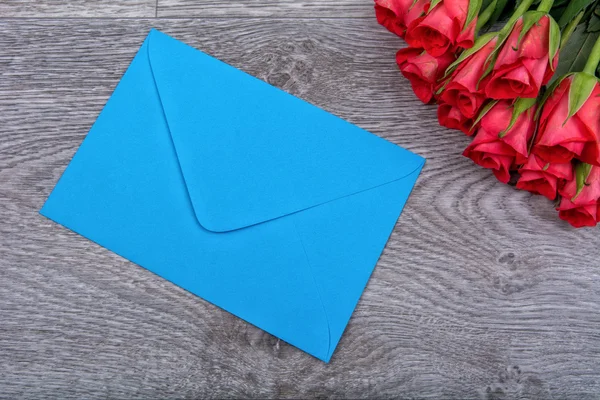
[(527, 92)]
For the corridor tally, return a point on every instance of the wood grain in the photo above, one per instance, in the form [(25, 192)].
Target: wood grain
[(266, 8), (77, 8), (81, 9), (481, 292)]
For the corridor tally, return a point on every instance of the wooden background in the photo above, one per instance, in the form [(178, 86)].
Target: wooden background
[(482, 292)]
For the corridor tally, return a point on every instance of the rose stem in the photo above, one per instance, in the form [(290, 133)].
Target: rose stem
[(593, 59), (523, 7), (569, 29), (545, 5), (485, 16)]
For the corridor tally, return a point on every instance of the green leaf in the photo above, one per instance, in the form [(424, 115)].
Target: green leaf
[(484, 110), (573, 8), (480, 42), (474, 7), (594, 22), (554, 39), (581, 88), (557, 12), (575, 54), (582, 171), (519, 107)]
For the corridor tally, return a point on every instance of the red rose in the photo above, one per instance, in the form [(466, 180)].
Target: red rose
[(499, 151), (523, 65), (578, 215), (464, 89), (422, 70), (451, 117), (541, 177), (579, 137), (583, 209), (442, 28), (392, 14)]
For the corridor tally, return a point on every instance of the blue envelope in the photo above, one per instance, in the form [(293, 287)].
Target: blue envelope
[(236, 191)]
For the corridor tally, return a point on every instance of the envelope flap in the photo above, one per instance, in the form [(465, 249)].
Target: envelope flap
[(250, 152)]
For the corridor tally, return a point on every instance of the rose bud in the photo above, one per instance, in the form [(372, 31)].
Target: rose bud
[(443, 27), (422, 70), (541, 177), (524, 63), (393, 14), (503, 136), (464, 90), (451, 117), (568, 132), (580, 204)]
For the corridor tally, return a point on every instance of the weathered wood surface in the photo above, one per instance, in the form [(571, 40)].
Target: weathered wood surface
[(77, 8), (266, 8), (481, 292)]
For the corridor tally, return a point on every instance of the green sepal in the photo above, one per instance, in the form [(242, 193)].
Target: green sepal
[(554, 41), (433, 4), (519, 107), (480, 42), (472, 12), (491, 59), (443, 86), (530, 18), (581, 89), (582, 171), (548, 93), (484, 110)]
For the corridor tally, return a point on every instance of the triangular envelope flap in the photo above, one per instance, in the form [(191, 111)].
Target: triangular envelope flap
[(250, 152)]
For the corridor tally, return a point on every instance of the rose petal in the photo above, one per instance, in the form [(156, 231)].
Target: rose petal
[(560, 141), (469, 103), (437, 31), (578, 216), (422, 70), (509, 83), (469, 72), (451, 117), (466, 38), (539, 183), (391, 14), (520, 68)]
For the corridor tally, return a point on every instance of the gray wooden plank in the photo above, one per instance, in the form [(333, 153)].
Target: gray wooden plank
[(266, 8), (481, 292), (79, 8)]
